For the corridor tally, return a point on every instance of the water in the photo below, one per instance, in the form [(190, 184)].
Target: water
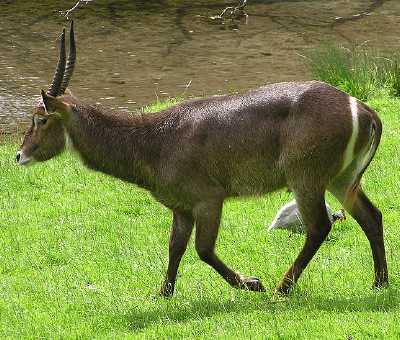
[(131, 53)]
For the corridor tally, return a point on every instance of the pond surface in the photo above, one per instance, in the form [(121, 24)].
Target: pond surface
[(131, 53)]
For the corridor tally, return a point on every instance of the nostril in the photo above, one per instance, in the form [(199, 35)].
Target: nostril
[(18, 156)]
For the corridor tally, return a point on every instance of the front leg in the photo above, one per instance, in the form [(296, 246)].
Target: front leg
[(182, 227), (207, 216)]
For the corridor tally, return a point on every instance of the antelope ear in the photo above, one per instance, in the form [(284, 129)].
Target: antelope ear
[(54, 105)]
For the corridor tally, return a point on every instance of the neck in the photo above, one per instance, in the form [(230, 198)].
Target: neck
[(120, 145)]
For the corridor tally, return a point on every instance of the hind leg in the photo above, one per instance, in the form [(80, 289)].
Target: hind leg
[(313, 212), (356, 202)]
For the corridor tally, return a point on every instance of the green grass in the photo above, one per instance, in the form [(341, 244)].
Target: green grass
[(362, 72), (83, 255), (162, 104)]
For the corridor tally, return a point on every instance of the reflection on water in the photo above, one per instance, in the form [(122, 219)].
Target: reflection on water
[(132, 52)]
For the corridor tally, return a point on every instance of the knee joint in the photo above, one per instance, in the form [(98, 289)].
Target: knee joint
[(378, 216), (204, 254), (320, 231)]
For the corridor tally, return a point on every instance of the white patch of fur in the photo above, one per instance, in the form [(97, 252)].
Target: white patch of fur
[(68, 141), (349, 152)]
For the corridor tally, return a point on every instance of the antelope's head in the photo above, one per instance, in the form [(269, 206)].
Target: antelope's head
[(46, 136)]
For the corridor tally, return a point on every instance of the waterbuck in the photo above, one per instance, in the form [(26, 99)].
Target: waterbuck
[(308, 137)]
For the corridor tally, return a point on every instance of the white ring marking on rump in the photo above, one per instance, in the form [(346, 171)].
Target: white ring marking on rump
[(349, 152)]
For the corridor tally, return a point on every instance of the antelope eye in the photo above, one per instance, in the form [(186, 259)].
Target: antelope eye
[(42, 121)]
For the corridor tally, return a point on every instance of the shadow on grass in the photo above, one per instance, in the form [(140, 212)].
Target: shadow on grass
[(168, 311)]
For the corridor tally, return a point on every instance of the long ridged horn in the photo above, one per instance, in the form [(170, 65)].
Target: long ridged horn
[(59, 72), (69, 69)]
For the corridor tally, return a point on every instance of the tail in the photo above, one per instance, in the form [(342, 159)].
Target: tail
[(375, 138)]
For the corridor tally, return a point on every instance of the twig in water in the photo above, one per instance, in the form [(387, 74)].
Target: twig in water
[(187, 86), (76, 6), (232, 13)]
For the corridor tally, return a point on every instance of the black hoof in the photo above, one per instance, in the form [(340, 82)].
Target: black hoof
[(167, 290), (381, 280), (282, 290), (252, 284), (380, 285), (284, 286)]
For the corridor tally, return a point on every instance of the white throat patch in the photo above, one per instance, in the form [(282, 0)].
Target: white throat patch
[(69, 145)]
